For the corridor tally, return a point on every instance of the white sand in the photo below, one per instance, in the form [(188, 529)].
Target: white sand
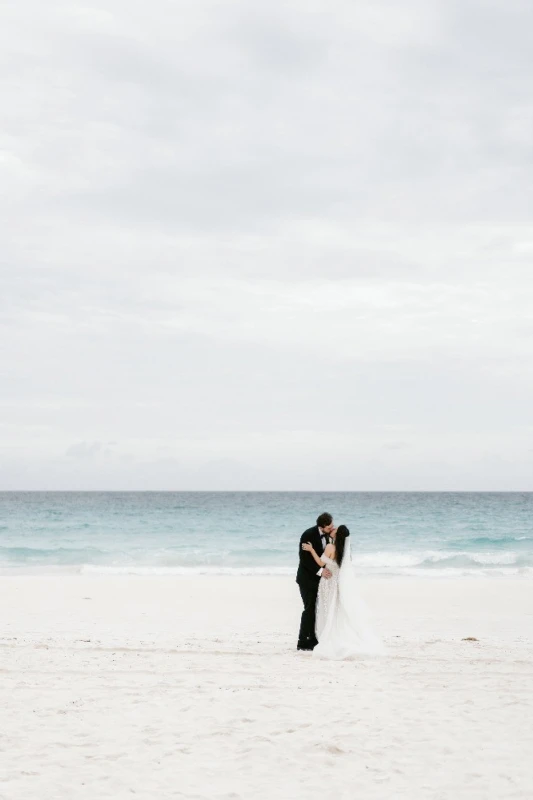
[(160, 688)]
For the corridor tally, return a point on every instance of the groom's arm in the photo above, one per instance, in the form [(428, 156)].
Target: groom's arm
[(306, 559)]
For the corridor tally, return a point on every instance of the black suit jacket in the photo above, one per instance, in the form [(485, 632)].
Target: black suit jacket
[(308, 568)]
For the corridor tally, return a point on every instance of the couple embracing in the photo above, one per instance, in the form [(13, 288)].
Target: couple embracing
[(335, 621)]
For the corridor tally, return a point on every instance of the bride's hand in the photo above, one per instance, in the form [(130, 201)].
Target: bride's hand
[(308, 547)]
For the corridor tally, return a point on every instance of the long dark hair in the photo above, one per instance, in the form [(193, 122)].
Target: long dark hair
[(340, 540)]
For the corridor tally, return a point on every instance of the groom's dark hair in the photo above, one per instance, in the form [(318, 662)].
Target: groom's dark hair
[(324, 520)]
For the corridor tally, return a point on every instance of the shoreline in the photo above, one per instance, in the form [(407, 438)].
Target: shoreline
[(176, 573)]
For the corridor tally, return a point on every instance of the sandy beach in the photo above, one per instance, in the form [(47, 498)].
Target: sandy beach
[(123, 687)]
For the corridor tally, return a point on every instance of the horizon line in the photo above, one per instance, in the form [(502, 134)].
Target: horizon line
[(269, 491)]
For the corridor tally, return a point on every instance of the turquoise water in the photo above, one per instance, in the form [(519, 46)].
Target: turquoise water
[(227, 532)]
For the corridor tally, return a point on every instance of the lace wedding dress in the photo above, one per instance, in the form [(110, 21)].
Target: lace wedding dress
[(343, 627)]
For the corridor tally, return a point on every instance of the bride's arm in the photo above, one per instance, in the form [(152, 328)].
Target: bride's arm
[(328, 552)]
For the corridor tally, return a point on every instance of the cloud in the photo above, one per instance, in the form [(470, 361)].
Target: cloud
[(243, 237), (83, 450)]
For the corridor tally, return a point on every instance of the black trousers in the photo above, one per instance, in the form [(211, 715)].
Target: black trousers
[(306, 637)]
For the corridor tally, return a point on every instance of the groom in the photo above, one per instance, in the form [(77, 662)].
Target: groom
[(308, 578)]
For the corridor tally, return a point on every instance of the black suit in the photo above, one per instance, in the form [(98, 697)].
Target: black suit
[(308, 580)]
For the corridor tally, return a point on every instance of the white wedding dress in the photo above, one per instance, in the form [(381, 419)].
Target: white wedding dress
[(343, 627)]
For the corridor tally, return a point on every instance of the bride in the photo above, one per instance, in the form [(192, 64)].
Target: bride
[(343, 629)]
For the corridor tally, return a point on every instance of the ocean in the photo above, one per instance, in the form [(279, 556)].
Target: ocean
[(176, 533)]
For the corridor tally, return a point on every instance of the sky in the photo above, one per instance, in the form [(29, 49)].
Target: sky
[(268, 246)]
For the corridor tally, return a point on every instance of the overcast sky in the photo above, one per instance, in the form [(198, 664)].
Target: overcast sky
[(271, 245)]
